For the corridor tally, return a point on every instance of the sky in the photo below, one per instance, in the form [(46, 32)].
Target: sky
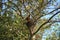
[(53, 27)]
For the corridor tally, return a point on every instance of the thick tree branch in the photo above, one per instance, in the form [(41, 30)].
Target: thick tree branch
[(46, 22)]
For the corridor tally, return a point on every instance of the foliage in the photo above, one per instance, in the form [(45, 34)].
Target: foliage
[(12, 28)]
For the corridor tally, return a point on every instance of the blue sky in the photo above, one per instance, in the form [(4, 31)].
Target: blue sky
[(54, 27)]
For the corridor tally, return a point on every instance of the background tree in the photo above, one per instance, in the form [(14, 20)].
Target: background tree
[(22, 13)]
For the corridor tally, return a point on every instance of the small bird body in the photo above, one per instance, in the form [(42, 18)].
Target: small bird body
[(30, 23)]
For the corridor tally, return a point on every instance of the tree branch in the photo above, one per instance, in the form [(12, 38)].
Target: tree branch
[(15, 6), (46, 22), (46, 14), (44, 5)]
